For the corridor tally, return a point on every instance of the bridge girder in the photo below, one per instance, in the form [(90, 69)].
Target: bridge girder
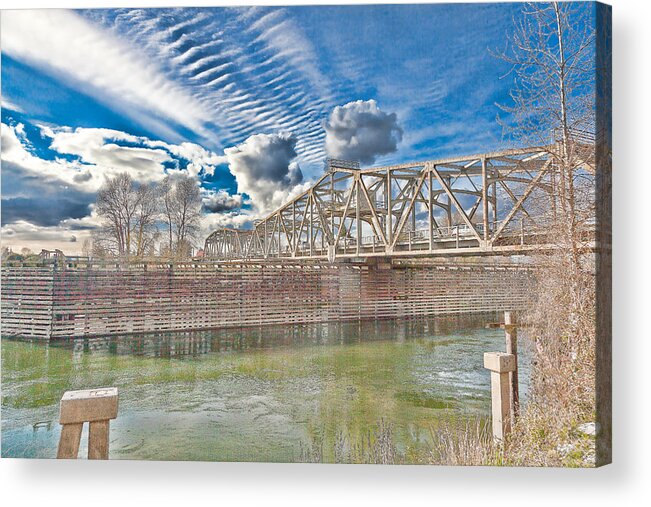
[(485, 203)]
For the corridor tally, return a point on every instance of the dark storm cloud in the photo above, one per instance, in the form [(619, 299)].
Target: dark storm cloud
[(42, 202), (263, 168)]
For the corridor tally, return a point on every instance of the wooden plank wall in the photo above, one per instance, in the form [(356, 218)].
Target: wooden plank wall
[(26, 304), (83, 300)]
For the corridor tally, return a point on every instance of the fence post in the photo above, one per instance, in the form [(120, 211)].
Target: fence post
[(511, 335), (94, 406), (500, 364)]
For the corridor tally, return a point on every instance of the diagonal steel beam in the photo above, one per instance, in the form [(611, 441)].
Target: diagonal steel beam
[(343, 217), (376, 221), (456, 202), (405, 214), (518, 204)]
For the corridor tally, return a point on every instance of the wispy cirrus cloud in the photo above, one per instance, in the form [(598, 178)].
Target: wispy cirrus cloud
[(65, 43), (254, 69)]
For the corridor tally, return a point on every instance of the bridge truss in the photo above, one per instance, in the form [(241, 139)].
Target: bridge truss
[(492, 203)]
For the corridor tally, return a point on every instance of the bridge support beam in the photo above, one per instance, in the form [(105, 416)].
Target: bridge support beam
[(484, 199)]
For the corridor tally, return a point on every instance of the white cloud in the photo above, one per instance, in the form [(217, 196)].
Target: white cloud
[(65, 43), (46, 202), (98, 147), (285, 39), (14, 152), (216, 201), (361, 131), (101, 156), (23, 234), (255, 70), (263, 169), (7, 104), (145, 161), (232, 219)]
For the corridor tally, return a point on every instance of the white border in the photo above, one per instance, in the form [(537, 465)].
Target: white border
[(626, 482)]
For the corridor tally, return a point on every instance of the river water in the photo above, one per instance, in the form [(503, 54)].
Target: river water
[(282, 393)]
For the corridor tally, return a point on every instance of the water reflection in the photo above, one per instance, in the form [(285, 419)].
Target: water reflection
[(256, 394), (180, 344)]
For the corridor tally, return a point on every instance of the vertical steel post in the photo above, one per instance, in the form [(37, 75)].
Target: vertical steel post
[(389, 214), (431, 211), (484, 197)]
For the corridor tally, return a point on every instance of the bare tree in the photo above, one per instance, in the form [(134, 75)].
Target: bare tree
[(116, 207), (145, 218), (167, 213), (87, 247), (128, 215), (181, 213), (552, 53)]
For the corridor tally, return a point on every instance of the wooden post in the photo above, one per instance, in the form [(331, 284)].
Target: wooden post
[(511, 333), (94, 406), (69, 440), (98, 439), (500, 364)]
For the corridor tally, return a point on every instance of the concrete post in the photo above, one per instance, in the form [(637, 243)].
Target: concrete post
[(94, 406), (500, 364)]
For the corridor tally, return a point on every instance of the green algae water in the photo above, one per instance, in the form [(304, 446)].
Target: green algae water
[(259, 394)]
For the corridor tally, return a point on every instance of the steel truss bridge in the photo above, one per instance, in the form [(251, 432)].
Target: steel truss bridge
[(498, 203)]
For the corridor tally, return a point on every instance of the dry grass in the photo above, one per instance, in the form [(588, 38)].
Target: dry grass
[(375, 447), (562, 327), (473, 446)]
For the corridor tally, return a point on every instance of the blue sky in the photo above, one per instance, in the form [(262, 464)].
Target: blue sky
[(243, 99)]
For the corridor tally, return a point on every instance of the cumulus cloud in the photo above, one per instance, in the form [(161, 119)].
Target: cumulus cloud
[(235, 219), (216, 201), (40, 191), (100, 148), (45, 208), (361, 131), (264, 169), (142, 157)]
